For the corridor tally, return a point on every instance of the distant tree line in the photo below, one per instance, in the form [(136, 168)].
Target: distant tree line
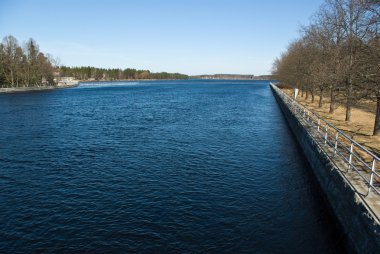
[(337, 55), (92, 73), (24, 66), (235, 76)]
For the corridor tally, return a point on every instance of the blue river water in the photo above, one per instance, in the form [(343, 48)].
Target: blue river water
[(161, 166)]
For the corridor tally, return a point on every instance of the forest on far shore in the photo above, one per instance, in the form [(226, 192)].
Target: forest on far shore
[(24, 65), (92, 73)]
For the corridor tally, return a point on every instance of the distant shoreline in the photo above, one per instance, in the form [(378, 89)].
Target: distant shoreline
[(8, 90), (234, 77), (191, 78), (126, 80), (34, 88)]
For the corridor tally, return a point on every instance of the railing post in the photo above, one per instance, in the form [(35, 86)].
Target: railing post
[(372, 173), (319, 121), (336, 142), (358, 164), (350, 158)]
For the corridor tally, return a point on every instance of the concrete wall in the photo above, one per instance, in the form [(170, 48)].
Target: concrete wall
[(354, 217)]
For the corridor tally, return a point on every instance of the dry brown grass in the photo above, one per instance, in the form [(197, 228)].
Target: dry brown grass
[(360, 127)]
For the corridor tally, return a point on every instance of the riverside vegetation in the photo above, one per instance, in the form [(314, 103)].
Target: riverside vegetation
[(24, 66), (337, 56), (27, 66)]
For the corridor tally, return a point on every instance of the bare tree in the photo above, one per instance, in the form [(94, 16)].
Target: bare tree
[(338, 52), (10, 46)]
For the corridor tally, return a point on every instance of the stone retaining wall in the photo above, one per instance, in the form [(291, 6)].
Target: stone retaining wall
[(356, 219)]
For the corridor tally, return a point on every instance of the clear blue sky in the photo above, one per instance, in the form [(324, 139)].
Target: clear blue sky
[(187, 36)]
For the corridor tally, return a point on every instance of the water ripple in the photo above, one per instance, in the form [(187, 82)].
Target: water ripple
[(163, 166)]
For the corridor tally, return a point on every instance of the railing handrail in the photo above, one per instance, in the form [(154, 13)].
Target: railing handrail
[(330, 125), (335, 143)]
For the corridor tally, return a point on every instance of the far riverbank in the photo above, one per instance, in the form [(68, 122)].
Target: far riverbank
[(124, 80), (34, 88)]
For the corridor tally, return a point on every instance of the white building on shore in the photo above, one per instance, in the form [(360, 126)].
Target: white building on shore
[(66, 81)]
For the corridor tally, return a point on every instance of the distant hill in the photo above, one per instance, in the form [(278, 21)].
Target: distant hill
[(234, 76)]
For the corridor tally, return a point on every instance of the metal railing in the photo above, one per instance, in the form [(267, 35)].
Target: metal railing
[(357, 158)]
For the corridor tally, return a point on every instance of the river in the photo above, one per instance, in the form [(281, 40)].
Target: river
[(161, 166)]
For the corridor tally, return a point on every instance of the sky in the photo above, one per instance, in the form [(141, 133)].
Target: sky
[(187, 36)]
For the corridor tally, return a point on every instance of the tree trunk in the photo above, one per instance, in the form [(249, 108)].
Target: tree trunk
[(349, 101), (12, 79), (307, 94), (376, 129), (312, 95), (332, 101), (348, 112), (320, 99), (28, 77)]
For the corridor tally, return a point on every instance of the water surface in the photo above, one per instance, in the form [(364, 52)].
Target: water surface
[(161, 166)]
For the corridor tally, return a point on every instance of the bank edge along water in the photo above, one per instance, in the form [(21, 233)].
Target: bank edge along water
[(358, 221)]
